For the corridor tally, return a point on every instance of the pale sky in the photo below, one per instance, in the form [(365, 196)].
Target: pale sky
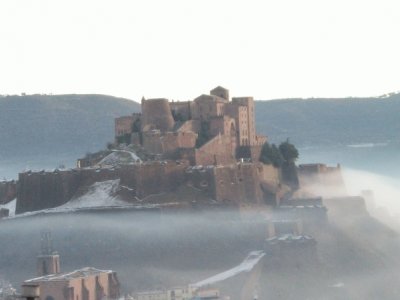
[(179, 49)]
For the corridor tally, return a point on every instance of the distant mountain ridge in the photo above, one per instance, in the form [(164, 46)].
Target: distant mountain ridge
[(53, 124), (320, 121)]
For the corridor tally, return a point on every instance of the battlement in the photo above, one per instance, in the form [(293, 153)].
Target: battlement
[(8, 191), (48, 189)]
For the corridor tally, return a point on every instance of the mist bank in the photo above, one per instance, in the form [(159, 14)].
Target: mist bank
[(156, 250), (382, 194)]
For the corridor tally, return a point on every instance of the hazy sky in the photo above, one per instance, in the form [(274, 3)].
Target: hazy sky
[(181, 49)]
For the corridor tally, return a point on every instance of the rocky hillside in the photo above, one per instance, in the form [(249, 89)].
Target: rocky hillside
[(49, 125)]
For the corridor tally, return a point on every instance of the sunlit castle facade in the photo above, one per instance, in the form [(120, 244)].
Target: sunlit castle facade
[(211, 129)]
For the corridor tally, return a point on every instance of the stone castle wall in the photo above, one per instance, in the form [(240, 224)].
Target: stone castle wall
[(152, 142), (43, 190), (8, 191), (234, 184), (174, 140), (168, 143), (191, 125), (216, 151), (252, 152), (270, 174), (240, 184), (182, 109), (123, 125)]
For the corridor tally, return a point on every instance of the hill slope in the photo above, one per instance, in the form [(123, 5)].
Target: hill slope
[(330, 121), (60, 124)]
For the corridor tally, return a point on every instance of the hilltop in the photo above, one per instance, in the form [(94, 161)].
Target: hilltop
[(42, 131), (57, 125), (51, 124)]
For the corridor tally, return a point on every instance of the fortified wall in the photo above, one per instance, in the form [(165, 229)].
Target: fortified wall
[(42, 190), (8, 191), (237, 185)]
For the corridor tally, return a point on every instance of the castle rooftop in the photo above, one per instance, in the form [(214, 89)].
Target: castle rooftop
[(81, 273)]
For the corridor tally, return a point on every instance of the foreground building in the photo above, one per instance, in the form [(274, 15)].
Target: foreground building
[(83, 284)]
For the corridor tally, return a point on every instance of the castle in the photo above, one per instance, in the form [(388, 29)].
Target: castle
[(210, 130), (202, 149)]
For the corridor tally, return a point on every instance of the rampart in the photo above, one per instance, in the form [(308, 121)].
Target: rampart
[(42, 190), (234, 184), (240, 184), (8, 191)]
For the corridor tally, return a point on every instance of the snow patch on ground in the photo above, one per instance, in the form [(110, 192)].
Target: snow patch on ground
[(119, 156), (10, 206), (246, 266), (99, 194)]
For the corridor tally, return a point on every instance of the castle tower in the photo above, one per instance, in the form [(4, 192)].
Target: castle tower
[(156, 113), (48, 261), (221, 92), (249, 121)]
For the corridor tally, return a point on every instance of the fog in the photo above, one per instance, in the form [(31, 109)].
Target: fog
[(356, 255), (156, 249), (385, 201), (147, 249)]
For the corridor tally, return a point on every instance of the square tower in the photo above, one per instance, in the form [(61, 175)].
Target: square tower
[(251, 127)]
